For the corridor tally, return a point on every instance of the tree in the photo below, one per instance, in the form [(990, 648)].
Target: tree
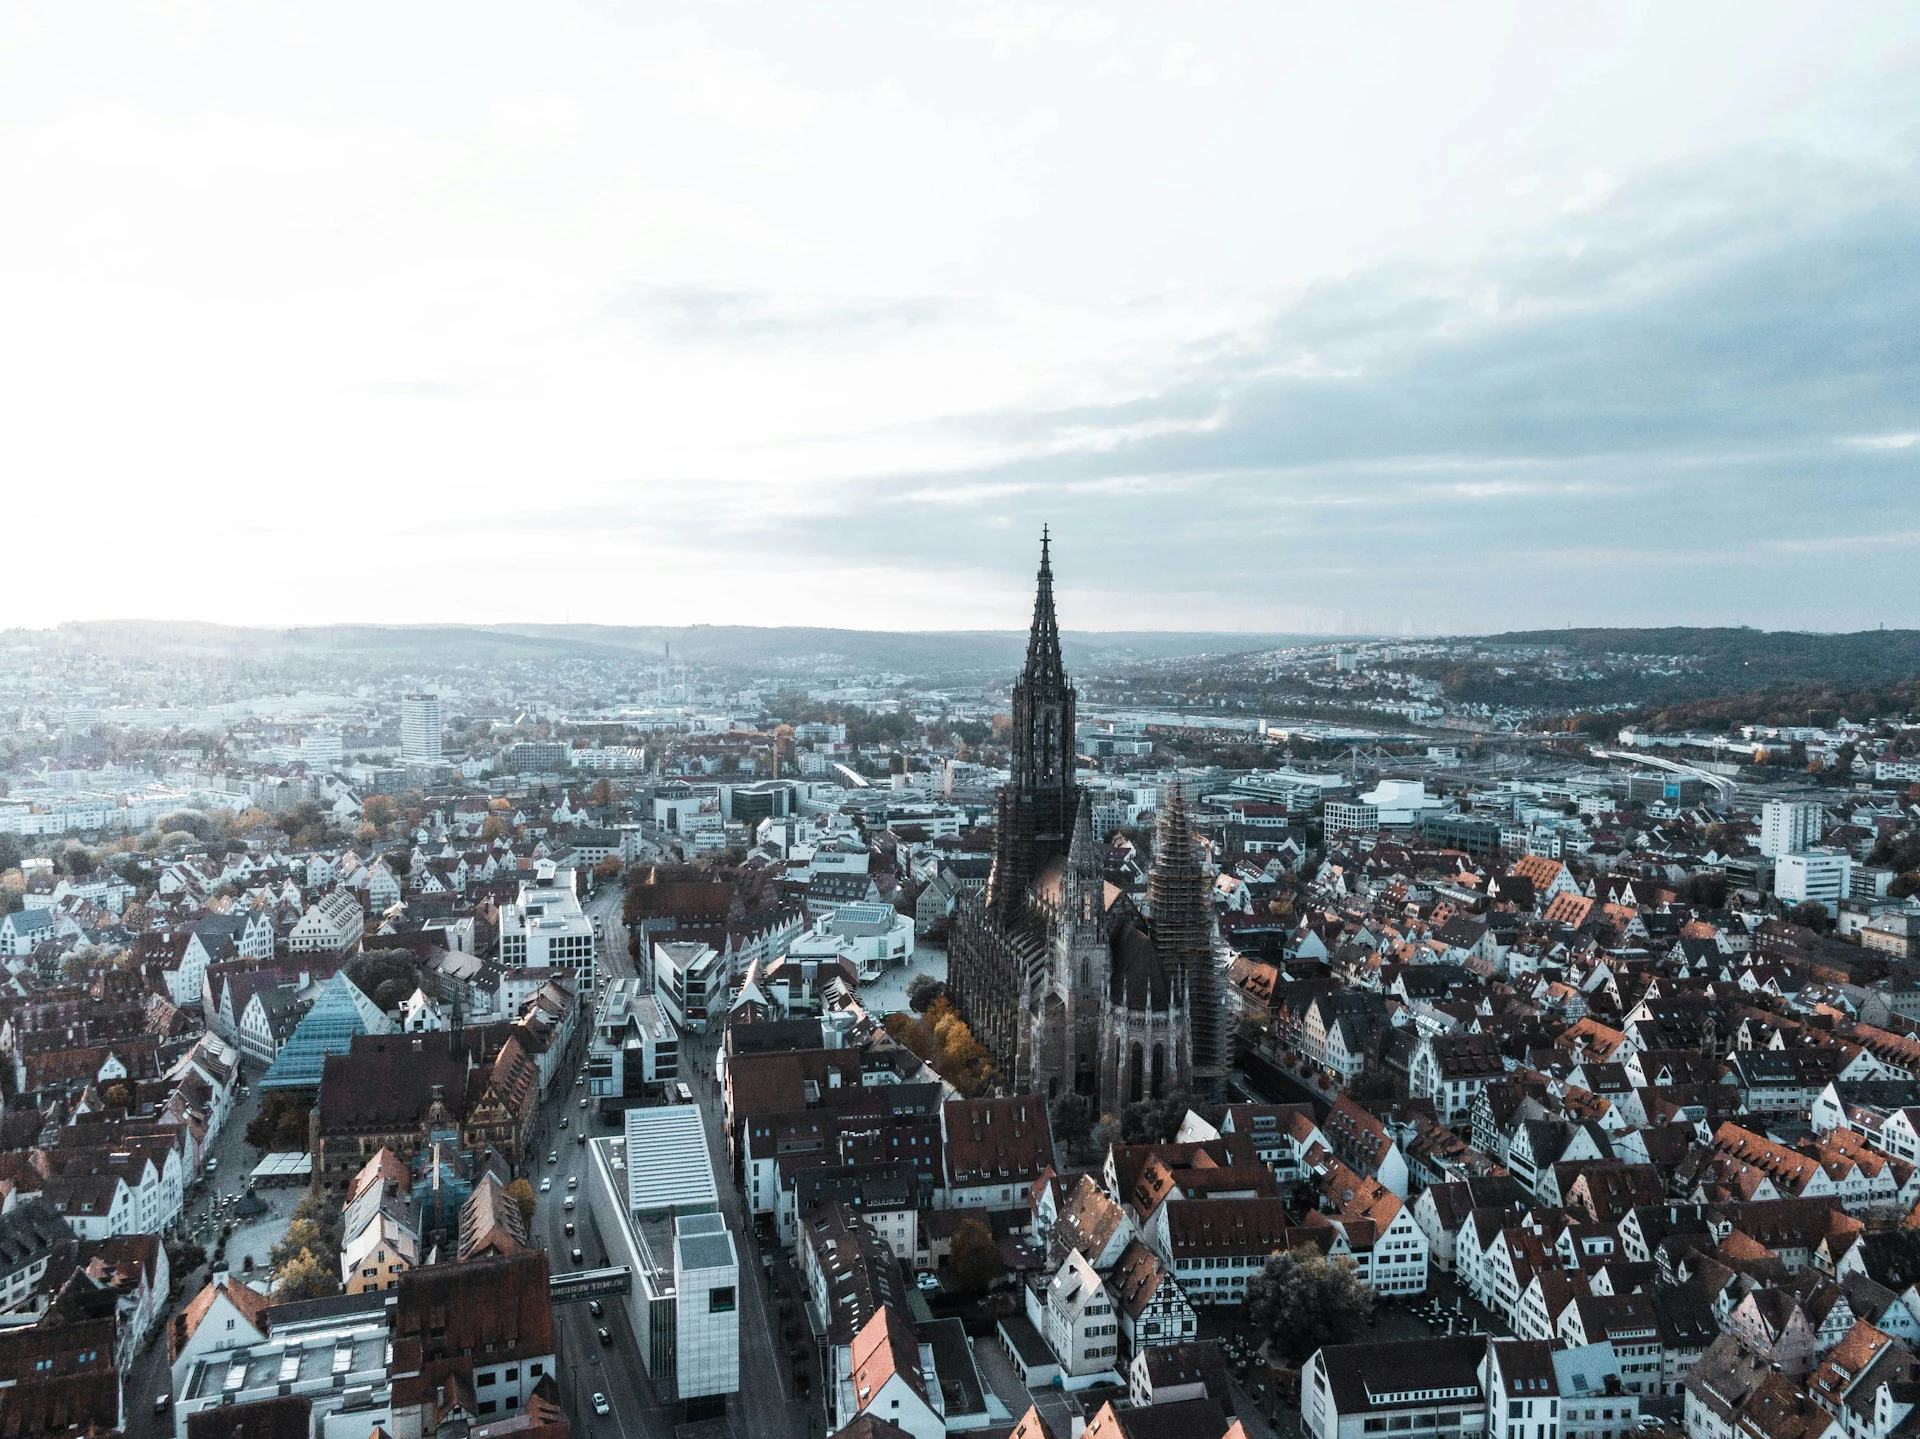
[(385, 976), (974, 1258), (1303, 1300), (1813, 915), (1154, 1121), (305, 1275), (922, 990), (1706, 889), (1073, 1120), (521, 1193), (941, 1037), (302, 1236), (380, 810), (10, 853), (197, 824), (494, 828), (602, 792), (281, 1123)]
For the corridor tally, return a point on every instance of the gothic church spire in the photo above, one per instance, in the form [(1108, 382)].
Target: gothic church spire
[(1044, 665)]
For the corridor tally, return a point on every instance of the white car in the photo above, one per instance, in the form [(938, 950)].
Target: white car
[(600, 1405), (569, 1203), (573, 1181), (546, 1184)]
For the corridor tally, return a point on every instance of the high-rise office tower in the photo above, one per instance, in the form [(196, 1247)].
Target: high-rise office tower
[(420, 721)]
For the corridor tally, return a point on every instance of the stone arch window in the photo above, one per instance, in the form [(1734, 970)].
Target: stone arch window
[(1136, 1067), (1159, 1068)]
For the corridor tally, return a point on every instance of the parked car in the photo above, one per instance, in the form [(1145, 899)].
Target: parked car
[(605, 1337), (553, 1156), (595, 1308), (927, 1282), (563, 1121), (573, 1181), (160, 1402), (600, 1405), (569, 1204), (569, 1229), (576, 1254), (546, 1184)]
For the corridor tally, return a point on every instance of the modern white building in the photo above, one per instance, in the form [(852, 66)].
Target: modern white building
[(632, 1046), (874, 937), (1787, 827), (339, 1365), (546, 928), (655, 1203), (421, 720), (690, 981), (1399, 803), (1817, 876)]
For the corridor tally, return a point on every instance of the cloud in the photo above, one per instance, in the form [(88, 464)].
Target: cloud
[(717, 314), (1638, 401)]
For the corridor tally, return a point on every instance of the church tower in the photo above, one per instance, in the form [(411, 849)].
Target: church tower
[(1037, 805), (1083, 962), (1179, 898)]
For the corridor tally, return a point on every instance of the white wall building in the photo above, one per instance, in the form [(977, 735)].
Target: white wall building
[(331, 925), (632, 1043), (655, 1203), (1816, 876), (546, 928), (421, 720), (1787, 827), (690, 982)]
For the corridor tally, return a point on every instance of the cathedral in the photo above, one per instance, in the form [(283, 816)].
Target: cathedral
[(1068, 985)]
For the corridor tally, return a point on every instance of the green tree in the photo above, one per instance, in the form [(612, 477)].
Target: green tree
[(1154, 1121), (1303, 1300), (1073, 1120), (1813, 915), (10, 853), (974, 1258), (922, 991)]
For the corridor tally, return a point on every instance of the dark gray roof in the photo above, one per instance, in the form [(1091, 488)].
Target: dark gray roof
[(1396, 1366), (29, 1232)]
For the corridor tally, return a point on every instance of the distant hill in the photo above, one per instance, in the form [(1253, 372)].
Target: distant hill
[(1742, 660), (804, 650)]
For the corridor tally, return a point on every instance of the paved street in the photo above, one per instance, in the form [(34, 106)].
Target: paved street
[(149, 1377), (614, 1369), (768, 1407)]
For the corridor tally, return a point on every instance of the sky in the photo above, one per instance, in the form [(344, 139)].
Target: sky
[(1340, 317)]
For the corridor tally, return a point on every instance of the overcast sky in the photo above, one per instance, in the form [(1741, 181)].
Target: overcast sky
[(1401, 317)]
